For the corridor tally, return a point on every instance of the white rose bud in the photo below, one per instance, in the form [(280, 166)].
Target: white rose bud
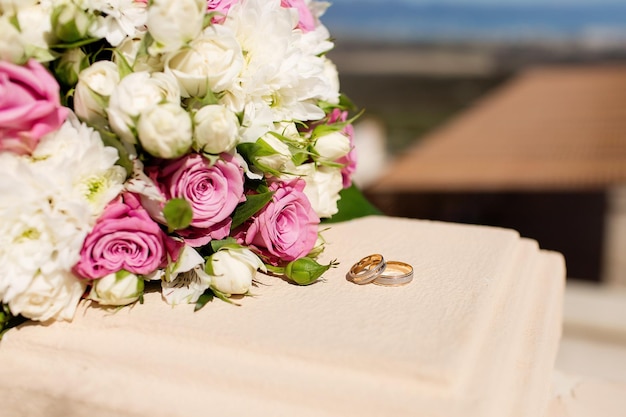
[(36, 32), (129, 49), (173, 23), (71, 63), (11, 48), (70, 23), (213, 61), (332, 146), (165, 131), (216, 129), (279, 161), (95, 84), (323, 185), (136, 93), (117, 289), (232, 270)]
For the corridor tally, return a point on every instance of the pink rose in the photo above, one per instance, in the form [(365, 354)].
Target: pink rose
[(221, 7), (306, 20), (286, 228), (213, 191), (348, 161), (125, 237), (29, 106)]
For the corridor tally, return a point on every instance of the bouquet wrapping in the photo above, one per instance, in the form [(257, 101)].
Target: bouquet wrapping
[(189, 143)]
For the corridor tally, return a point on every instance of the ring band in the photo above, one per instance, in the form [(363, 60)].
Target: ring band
[(367, 269), (395, 274)]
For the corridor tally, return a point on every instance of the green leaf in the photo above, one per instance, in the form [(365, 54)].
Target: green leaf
[(352, 205), (253, 203), (205, 298), (76, 44), (177, 213)]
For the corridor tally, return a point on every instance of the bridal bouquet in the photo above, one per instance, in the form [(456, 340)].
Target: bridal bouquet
[(187, 142)]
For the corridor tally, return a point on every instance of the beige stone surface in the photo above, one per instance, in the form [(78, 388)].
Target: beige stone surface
[(576, 396), (474, 334)]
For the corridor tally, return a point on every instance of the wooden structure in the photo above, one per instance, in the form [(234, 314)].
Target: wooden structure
[(559, 128), (543, 154)]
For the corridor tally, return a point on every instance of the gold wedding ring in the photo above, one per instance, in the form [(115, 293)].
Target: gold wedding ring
[(367, 269), (395, 274)]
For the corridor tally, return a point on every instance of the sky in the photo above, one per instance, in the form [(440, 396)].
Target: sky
[(599, 20)]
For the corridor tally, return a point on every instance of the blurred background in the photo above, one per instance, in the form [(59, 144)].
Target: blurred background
[(502, 113)]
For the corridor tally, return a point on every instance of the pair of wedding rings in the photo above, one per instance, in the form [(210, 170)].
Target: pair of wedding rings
[(374, 269)]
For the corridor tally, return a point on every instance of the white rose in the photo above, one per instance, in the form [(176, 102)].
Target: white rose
[(95, 84), (173, 23), (232, 270), (136, 93), (49, 296), (186, 280), (117, 289), (323, 185), (332, 146), (216, 129), (212, 62), (165, 130)]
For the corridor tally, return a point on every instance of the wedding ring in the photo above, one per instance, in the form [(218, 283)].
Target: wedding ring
[(395, 274), (367, 269)]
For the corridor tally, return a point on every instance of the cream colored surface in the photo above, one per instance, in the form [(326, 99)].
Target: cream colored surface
[(474, 334)]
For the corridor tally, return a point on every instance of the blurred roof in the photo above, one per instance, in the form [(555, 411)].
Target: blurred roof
[(552, 128)]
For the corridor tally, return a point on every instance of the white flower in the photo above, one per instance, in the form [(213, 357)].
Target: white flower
[(186, 281), (116, 289), (280, 75), (280, 160), (120, 19), (165, 130), (13, 5), (41, 235), (49, 296), (212, 62), (95, 85), (323, 185), (173, 23), (82, 168), (11, 48), (232, 270), (332, 76), (35, 31), (216, 129), (332, 146), (135, 94), (70, 22)]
